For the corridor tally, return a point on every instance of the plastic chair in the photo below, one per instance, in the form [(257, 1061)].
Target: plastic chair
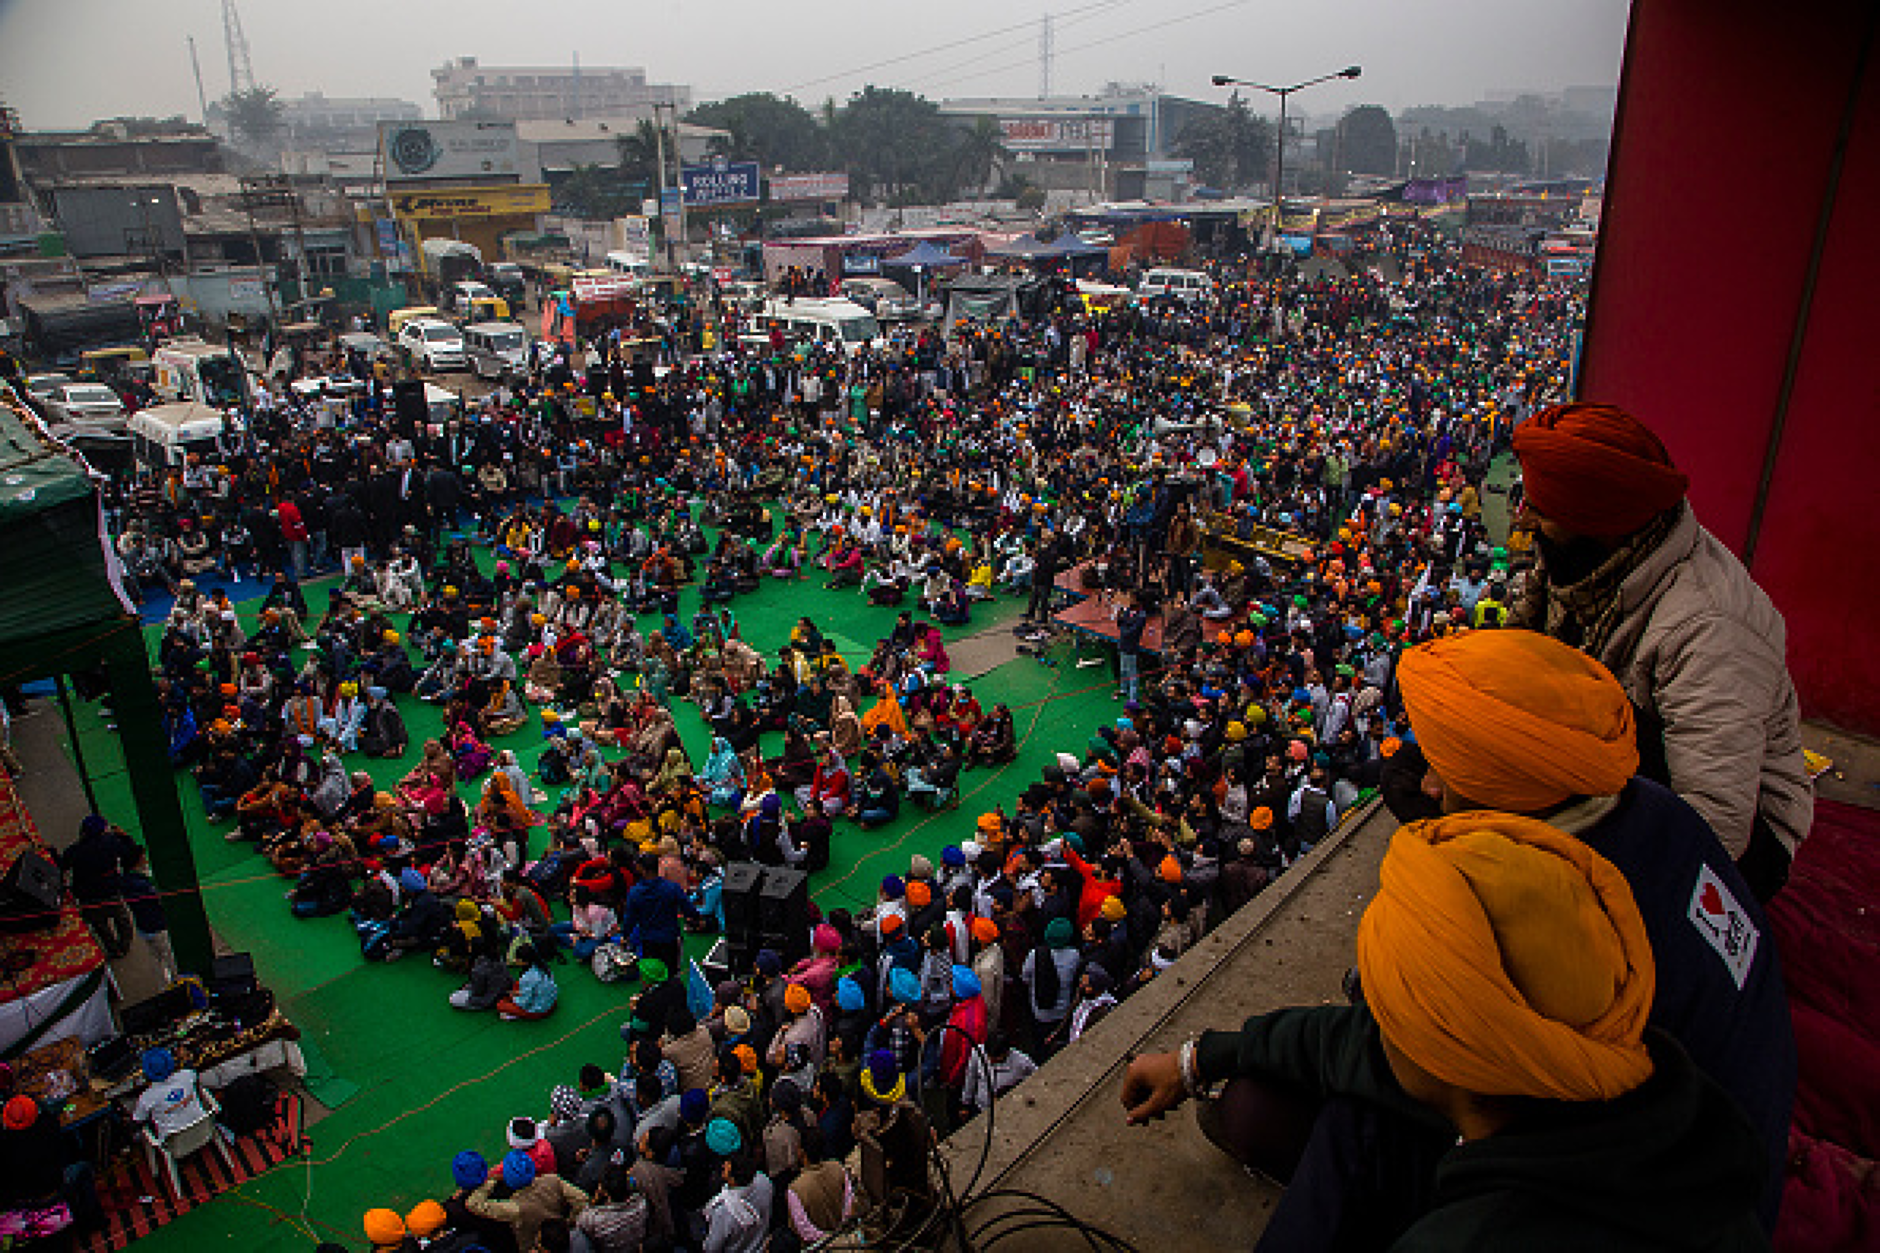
[(184, 1142)]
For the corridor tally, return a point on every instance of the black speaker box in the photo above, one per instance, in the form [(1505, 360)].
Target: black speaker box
[(232, 975), (783, 911), (31, 894), (743, 881)]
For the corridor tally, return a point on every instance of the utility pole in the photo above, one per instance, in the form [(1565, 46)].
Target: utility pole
[(659, 142)]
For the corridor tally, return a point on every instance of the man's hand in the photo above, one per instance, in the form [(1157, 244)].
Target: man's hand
[(1152, 1086)]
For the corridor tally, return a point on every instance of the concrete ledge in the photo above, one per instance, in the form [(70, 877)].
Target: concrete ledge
[(1061, 1134)]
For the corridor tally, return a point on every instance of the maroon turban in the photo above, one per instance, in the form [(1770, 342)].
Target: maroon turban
[(1594, 470)]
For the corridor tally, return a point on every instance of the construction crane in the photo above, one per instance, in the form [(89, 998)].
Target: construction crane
[(241, 75)]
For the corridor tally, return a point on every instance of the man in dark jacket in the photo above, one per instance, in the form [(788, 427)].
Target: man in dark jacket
[(1498, 1089)]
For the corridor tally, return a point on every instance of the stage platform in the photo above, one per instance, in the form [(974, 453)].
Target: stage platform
[(1092, 614)]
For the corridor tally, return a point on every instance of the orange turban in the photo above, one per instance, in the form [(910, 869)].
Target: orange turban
[(1595, 470), (1518, 721), (1509, 959), (985, 930), (384, 1227), (796, 999), (919, 895)]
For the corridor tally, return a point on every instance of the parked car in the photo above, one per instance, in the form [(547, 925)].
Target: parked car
[(496, 347), (433, 345), (85, 404), (39, 387), (1188, 286), (508, 280), (883, 297)]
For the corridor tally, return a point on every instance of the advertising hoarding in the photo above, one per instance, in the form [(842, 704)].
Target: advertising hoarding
[(1048, 134), (809, 186), (438, 151)]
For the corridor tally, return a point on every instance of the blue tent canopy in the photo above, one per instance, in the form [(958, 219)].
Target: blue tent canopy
[(925, 254)]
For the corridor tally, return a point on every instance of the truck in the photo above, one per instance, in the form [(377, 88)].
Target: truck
[(196, 370), (443, 263), (59, 328)]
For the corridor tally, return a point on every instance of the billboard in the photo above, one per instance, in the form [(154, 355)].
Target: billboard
[(1049, 134), (809, 186), (514, 200), (435, 151), (720, 183)]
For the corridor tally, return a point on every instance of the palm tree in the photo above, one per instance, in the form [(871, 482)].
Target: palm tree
[(979, 154)]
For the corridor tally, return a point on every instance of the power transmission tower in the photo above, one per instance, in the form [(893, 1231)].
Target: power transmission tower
[(241, 75), (1045, 54)]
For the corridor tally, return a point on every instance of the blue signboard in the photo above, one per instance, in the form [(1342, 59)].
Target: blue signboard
[(720, 183), (669, 201)]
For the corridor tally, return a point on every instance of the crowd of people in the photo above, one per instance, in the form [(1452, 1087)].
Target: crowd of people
[(525, 567)]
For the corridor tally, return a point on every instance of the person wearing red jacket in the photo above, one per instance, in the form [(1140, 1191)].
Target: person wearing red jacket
[(294, 534), (828, 792), (1095, 890)]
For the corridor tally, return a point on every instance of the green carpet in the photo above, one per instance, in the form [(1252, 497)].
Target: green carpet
[(415, 1081)]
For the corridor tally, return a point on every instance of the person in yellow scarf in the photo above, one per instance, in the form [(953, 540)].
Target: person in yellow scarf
[(887, 712), (1497, 1088)]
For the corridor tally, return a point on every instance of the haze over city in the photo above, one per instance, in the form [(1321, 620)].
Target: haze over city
[(66, 63)]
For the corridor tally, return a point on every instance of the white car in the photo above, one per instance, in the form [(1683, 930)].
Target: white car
[(41, 386), (434, 345), (85, 404)]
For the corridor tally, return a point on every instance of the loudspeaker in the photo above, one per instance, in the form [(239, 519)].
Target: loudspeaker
[(743, 881), (31, 894), (783, 912), (232, 976)]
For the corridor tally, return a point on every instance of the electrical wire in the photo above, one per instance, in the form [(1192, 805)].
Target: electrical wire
[(941, 80), (1070, 16)]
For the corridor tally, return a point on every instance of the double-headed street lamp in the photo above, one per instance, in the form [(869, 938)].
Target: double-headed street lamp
[(1279, 167)]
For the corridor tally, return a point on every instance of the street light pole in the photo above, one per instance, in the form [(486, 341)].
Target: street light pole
[(1284, 94)]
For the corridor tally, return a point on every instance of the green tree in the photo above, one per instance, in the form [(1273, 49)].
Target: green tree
[(763, 127), (1231, 148), (979, 152), (596, 192), (896, 144), (254, 114), (639, 157), (1368, 144)]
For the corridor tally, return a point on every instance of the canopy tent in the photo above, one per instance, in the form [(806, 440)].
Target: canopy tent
[(927, 255)]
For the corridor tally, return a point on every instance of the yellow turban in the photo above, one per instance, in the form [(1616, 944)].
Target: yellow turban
[(426, 1220), (1518, 721), (1507, 958)]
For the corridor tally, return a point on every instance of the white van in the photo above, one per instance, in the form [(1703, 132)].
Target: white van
[(1184, 285), (631, 264), (492, 347), (831, 321), (441, 405), (193, 369), (165, 435)]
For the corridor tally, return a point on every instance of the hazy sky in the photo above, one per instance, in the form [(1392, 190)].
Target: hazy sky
[(64, 63)]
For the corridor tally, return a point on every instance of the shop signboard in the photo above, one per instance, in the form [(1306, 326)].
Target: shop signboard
[(462, 203), (720, 183)]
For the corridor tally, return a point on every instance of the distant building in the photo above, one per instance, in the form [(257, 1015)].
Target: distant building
[(1113, 145), (466, 89), (340, 123), (554, 148)]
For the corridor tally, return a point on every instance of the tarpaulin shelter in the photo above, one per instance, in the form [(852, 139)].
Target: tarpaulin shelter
[(63, 612), (995, 298)]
